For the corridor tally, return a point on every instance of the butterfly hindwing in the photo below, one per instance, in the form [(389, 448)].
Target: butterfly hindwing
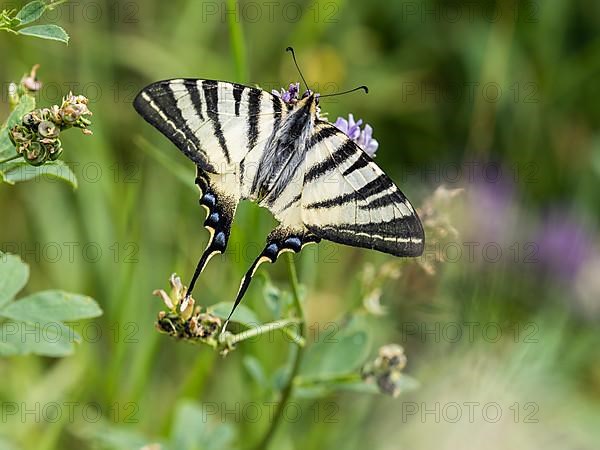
[(348, 199)]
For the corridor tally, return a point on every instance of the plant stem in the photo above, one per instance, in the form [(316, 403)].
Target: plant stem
[(262, 329), (237, 43), (313, 381), (299, 350), (12, 158)]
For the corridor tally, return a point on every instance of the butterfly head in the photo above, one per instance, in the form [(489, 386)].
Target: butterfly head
[(310, 94), (307, 93), (309, 103)]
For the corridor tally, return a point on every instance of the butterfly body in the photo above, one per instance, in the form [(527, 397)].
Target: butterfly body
[(250, 144)]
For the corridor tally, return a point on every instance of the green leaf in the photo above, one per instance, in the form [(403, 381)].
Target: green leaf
[(35, 324), (26, 104), (220, 437), (52, 32), (191, 430), (320, 390), (31, 12), (343, 353), (6, 349), (108, 436), (242, 315), (22, 338), (7, 445), (18, 171), (52, 306), (189, 427), (255, 370), (14, 274)]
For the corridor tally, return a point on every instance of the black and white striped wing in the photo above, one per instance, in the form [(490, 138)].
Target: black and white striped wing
[(348, 199), (215, 123)]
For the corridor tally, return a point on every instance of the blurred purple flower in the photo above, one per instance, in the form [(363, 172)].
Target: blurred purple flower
[(364, 138), (565, 246), (569, 254), (491, 215)]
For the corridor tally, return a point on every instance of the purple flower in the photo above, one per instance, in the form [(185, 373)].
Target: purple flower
[(289, 96), (570, 257), (492, 214), (565, 246), (366, 141), (364, 138), (350, 126)]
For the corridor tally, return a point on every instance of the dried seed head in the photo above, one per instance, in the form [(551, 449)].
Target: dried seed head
[(392, 356), (386, 369), (36, 153), (48, 129), (164, 297), (187, 308)]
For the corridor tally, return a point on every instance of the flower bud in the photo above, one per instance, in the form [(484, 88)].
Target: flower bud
[(187, 308), (178, 290), (30, 82)]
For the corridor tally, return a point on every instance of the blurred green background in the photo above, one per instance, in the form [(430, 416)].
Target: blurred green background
[(501, 99)]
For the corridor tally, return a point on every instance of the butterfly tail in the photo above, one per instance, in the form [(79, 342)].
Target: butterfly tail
[(279, 241), (220, 209)]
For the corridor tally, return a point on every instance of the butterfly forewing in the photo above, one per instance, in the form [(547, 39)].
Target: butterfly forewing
[(215, 123)]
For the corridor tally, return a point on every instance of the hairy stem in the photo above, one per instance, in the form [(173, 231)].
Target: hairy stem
[(298, 352), (262, 329)]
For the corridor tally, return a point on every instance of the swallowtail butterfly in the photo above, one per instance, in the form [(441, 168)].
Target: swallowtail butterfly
[(248, 144)]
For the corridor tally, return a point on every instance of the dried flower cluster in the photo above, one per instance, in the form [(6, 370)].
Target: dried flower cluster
[(36, 138), (184, 320), (386, 370), (437, 221)]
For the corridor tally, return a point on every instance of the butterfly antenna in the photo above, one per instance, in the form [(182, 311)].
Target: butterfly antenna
[(364, 88), (291, 50)]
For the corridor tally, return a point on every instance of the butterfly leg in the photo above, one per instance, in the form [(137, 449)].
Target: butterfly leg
[(220, 210), (279, 241)]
